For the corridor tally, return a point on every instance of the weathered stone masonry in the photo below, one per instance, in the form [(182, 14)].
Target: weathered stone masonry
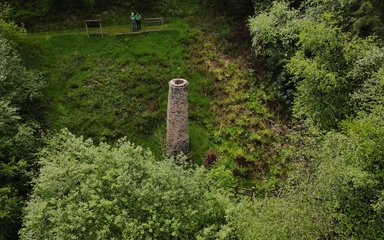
[(177, 117)]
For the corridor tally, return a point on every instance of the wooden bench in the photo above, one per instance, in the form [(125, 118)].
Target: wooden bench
[(93, 24), (154, 20)]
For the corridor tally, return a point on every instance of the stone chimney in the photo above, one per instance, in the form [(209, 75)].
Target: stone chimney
[(177, 117)]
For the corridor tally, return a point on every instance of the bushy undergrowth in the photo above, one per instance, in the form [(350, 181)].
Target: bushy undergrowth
[(239, 110)]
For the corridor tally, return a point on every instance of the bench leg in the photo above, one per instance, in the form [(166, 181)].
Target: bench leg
[(86, 28)]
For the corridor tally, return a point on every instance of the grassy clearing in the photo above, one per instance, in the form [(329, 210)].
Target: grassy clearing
[(107, 88)]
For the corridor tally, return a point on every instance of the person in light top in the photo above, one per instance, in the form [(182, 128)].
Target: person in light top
[(133, 23)]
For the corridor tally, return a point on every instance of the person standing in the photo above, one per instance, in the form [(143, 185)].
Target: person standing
[(133, 23), (138, 21)]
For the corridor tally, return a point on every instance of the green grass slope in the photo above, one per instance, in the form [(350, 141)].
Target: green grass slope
[(111, 87), (107, 88)]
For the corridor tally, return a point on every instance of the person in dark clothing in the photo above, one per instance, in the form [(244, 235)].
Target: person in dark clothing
[(138, 21)]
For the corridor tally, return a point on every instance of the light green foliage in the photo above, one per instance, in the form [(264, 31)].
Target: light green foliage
[(274, 37), (371, 94), (328, 68), (291, 217), (15, 138), (349, 176), (119, 192), (5, 12), (321, 87), (8, 118), (274, 33)]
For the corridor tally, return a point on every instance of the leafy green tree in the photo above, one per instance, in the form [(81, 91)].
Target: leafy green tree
[(274, 33), (334, 190), (274, 37), (317, 66), (120, 192), (17, 84), (9, 29), (329, 67), (17, 144), (362, 17), (18, 89), (371, 94)]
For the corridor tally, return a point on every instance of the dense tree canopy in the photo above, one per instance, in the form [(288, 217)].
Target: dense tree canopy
[(317, 65), (335, 192)]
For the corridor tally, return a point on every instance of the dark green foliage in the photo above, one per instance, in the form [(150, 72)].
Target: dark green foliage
[(30, 12), (362, 17), (335, 187), (18, 85), (19, 88), (335, 190), (234, 8), (313, 58), (17, 145), (369, 18), (10, 213)]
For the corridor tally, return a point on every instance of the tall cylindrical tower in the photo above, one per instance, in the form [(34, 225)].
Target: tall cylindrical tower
[(177, 117)]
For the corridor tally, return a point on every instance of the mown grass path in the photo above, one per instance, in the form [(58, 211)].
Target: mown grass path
[(108, 30)]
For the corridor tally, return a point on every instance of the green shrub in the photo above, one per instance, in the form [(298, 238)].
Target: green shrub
[(371, 94), (119, 192)]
